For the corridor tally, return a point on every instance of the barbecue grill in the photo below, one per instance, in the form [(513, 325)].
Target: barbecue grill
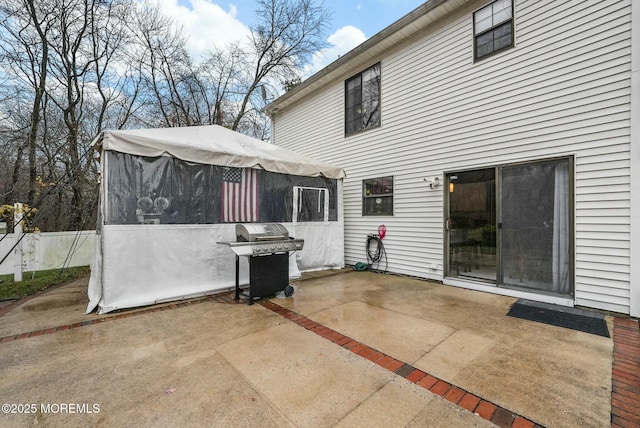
[(267, 246)]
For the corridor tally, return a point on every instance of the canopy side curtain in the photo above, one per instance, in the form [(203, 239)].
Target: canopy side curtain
[(167, 190)]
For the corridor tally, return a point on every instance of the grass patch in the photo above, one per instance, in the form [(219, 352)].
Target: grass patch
[(38, 281)]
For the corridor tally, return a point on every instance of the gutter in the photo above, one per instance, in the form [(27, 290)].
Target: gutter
[(334, 69)]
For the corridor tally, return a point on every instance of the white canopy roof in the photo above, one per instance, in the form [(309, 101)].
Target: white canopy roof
[(214, 145)]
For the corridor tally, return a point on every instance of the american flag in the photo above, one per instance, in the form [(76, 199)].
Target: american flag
[(239, 195)]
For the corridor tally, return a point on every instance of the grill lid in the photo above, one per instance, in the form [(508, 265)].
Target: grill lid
[(253, 232)]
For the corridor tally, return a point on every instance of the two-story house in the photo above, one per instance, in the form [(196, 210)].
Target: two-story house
[(497, 141)]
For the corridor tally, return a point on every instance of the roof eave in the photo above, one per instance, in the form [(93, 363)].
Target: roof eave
[(400, 30)]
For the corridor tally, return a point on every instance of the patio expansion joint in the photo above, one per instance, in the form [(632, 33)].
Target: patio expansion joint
[(450, 392)]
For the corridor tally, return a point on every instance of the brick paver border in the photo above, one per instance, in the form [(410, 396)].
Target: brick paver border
[(478, 405), (625, 374)]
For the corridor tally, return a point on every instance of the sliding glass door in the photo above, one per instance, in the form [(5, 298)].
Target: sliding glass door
[(535, 229), (511, 226), (471, 225)]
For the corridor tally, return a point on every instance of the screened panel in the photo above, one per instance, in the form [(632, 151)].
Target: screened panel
[(166, 190), (499, 38), (310, 203), (484, 44), (502, 37), (536, 226), (143, 190)]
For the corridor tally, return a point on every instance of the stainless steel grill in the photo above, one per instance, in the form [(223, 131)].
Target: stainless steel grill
[(263, 239), (267, 246)]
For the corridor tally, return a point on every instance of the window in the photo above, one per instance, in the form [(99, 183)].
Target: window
[(310, 204), (377, 196), (493, 28), (362, 100)]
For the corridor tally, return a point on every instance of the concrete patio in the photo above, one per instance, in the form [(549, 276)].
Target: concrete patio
[(347, 349)]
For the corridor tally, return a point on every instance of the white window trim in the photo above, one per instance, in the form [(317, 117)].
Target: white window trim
[(297, 197)]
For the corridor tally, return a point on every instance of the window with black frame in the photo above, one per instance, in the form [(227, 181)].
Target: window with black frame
[(362, 100), (493, 28), (377, 196)]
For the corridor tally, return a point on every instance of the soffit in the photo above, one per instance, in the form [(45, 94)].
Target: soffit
[(370, 50)]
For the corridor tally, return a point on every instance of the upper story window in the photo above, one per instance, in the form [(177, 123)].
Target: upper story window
[(377, 196), (362, 100), (493, 28)]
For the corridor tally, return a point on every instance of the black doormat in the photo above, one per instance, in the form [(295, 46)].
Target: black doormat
[(560, 316)]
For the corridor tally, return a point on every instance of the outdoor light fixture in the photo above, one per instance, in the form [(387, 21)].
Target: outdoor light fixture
[(433, 182)]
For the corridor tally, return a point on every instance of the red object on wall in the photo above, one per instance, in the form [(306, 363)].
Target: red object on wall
[(382, 231)]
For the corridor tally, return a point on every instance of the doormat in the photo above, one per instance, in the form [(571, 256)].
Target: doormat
[(560, 316)]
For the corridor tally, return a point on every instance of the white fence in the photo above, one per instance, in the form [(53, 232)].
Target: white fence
[(48, 250)]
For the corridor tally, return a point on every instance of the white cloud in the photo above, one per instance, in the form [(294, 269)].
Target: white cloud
[(206, 24), (341, 42)]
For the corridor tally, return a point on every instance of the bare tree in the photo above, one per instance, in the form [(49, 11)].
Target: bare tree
[(71, 68), (221, 75), (286, 35), (24, 46), (41, 21), (109, 37), (228, 86), (76, 55), (163, 64)]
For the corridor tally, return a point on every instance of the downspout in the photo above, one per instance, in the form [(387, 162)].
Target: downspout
[(634, 244), (272, 115)]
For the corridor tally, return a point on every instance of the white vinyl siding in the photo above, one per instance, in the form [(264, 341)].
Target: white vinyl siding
[(562, 90)]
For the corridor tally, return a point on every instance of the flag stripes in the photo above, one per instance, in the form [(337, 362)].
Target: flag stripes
[(239, 195)]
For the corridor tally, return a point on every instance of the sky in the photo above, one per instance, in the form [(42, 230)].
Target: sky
[(222, 21)]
